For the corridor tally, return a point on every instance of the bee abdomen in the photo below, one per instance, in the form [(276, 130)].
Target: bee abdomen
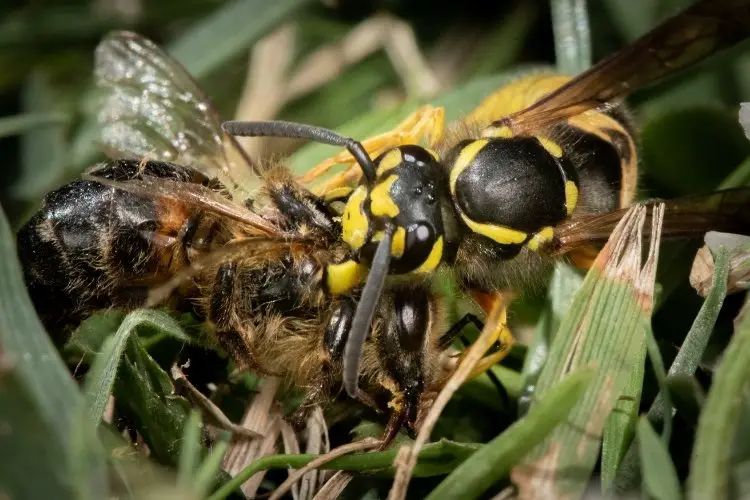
[(93, 246)]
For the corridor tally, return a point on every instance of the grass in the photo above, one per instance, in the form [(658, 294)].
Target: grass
[(584, 398)]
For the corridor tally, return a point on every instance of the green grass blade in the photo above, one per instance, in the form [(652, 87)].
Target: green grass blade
[(18, 124), (565, 283), (606, 325), (709, 467), (206, 475), (101, 378), (620, 427), (659, 475), (684, 364), (190, 451), (229, 32), (44, 382), (493, 461), (436, 458), (570, 25)]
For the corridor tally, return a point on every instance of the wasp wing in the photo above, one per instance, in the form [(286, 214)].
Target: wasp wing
[(706, 27), (154, 108), (686, 217)]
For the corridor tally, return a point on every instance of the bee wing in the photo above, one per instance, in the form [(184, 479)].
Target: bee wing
[(687, 217), (199, 196), (685, 39), (153, 107)]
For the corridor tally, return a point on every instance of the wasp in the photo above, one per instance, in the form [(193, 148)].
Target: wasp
[(168, 221), (543, 169)]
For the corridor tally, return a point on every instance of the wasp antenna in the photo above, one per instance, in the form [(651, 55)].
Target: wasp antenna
[(365, 311), (293, 130)]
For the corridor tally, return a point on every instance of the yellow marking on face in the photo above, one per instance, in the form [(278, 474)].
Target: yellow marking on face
[(503, 132), (543, 236), (500, 234), (399, 241), (552, 147), (337, 193), (433, 260), (433, 154), (344, 276), (354, 223), (381, 203), (391, 160), (571, 196), (464, 159)]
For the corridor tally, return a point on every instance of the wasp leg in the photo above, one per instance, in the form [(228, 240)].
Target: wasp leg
[(428, 123), (455, 331), (502, 336)]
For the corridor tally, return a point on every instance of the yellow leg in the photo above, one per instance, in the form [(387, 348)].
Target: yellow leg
[(428, 123), (501, 335)]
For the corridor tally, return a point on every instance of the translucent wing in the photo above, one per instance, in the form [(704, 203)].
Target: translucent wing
[(153, 107), (686, 217), (706, 27), (197, 195)]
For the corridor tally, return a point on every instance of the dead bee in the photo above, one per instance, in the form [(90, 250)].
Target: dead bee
[(272, 275)]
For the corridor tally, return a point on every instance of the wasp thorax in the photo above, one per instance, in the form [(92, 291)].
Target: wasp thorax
[(407, 195)]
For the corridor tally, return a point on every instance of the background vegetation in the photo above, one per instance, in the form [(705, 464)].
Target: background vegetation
[(244, 53)]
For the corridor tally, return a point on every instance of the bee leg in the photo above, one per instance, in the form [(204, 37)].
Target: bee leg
[(427, 122), (220, 315), (395, 422)]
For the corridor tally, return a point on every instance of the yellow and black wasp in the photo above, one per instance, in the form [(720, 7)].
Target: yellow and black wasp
[(543, 168)]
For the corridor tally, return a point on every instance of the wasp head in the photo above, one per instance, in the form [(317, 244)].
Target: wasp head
[(408, 194)]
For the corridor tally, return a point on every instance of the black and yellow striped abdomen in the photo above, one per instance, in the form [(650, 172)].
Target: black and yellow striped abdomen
[(513, 190), (599, 143)]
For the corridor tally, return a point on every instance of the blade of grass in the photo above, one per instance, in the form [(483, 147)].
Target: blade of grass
[(207, 474), (684, 364), (493, 461), (229, 32), (101, 378), (570, 25), (709, 466), (41, 373), (620, 426), (565, 283), (190, 451), (42, 148), (18, 124), (659, 475), (437, 458), (606, 325)]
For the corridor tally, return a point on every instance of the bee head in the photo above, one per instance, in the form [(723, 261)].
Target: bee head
[(407, 194)]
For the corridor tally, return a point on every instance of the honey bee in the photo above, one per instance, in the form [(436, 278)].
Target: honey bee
[(270, 274), (543, 168)]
